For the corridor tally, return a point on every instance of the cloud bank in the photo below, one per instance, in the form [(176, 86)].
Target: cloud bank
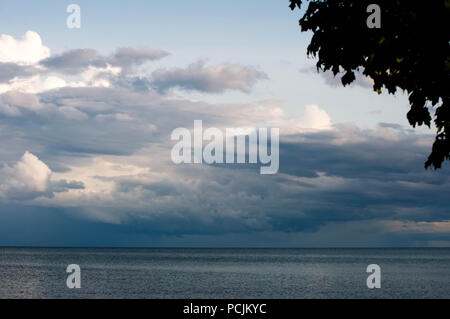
[(86, 139)]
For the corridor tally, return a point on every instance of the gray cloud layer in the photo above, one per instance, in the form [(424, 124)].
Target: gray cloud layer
[(199, 77), (78, 59), (9, 71)]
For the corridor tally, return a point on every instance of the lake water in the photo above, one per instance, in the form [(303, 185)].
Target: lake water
[(224, 273)]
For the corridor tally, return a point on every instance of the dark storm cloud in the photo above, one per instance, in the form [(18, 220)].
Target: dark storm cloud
[(338, 176), (316, 186), (32, 225), (369, 155), (341, 175)]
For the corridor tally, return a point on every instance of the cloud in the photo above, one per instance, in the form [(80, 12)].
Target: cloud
[(25, 100), (315, 118), (9, 71), (30, 178), (12, 102), (33, 84), (72, 113), (213, 79), (319, 183), (98, 76), (78, 60), (80, 68), (88, 68), (126, 57), (337, 175), (28, 50), (73, 60)]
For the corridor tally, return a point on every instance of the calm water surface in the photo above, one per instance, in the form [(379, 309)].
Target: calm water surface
[(224, 273)]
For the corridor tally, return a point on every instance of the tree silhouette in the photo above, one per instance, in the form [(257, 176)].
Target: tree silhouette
[(409, 52)]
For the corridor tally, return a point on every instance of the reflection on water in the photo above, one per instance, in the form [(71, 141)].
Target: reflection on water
[(224, 273)]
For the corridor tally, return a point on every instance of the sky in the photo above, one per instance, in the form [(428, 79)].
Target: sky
[(86, 116)]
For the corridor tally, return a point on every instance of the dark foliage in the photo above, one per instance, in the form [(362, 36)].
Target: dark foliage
[(409, 52)]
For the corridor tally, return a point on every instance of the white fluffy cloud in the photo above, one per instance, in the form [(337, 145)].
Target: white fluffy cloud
[(27, 50), (32, 172), (312, 119), (34, 84), (30, 178), (315, 118), (28, 175)]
